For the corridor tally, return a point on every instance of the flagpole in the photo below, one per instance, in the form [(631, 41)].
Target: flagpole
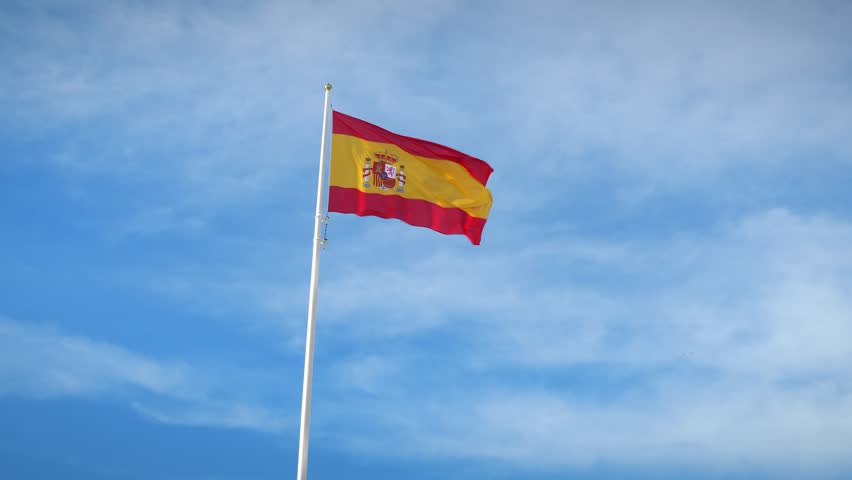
[(305, 424)]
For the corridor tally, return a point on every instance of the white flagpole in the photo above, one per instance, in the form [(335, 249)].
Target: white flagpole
[(304, 427)]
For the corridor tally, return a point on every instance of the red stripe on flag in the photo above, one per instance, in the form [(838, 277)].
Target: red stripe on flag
[(420, 213), (346, 125)]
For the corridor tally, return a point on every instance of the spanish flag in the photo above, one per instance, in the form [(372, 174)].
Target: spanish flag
[(380, 173)]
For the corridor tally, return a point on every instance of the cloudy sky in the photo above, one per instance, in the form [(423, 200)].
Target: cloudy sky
[(663, 290)]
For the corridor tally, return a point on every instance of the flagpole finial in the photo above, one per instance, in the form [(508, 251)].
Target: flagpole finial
[(327, 86)]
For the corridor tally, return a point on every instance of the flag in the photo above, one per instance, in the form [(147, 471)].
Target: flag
[(375, 172)]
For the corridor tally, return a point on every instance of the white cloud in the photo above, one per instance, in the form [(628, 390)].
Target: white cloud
[(43, 362), (37, 361), (673, 91), (730, 424), (208, 106), (728, 350), (251, 417), (368, 373)]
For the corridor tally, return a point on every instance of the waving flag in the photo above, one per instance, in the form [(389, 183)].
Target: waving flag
[(380, 173)]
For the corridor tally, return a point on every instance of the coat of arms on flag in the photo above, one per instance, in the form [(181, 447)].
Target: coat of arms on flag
[(384, 172)]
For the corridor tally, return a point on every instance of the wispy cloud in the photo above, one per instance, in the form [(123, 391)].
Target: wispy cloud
[(728, 425), (251, 417), (674, 91), (228, 90), (729, 350), (42, 361), (38, 361)]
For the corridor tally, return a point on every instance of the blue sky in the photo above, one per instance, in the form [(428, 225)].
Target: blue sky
[(662, 291)]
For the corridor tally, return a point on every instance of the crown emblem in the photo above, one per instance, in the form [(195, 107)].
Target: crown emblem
[(385, 157)]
